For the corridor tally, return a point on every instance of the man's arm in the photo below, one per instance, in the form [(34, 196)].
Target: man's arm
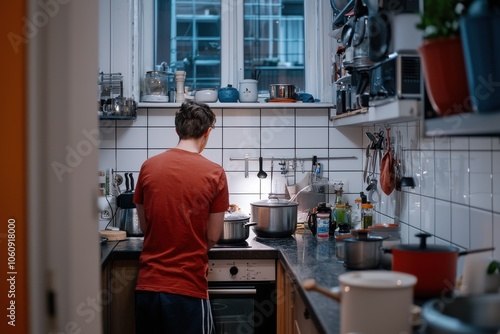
[(214, 228), (141, 216)]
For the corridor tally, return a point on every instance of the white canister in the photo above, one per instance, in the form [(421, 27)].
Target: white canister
[(248, 90), (363, 292)]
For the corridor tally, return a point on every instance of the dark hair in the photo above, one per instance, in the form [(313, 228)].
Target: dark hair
[(193, 119)]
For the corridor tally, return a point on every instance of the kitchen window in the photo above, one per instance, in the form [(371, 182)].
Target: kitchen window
[(220, 42)]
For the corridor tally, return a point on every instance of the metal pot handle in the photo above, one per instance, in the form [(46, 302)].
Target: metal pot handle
[(250, 224)]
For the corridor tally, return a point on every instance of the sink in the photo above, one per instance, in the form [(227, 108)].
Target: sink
[(464, 314)]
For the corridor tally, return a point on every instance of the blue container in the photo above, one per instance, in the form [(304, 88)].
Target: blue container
[(481, 45), (228, 94)]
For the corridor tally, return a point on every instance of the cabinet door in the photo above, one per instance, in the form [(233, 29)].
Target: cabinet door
[(286, 314), (303, 321), (122, 288)]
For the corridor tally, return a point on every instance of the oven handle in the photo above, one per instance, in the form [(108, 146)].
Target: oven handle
[(233, 291)]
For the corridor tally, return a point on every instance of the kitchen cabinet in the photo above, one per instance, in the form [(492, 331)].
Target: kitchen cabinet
[(118, 281), (473, 124), (293, 315)]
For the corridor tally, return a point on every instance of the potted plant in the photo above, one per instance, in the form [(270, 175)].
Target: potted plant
[(481, 39), (442, 56)]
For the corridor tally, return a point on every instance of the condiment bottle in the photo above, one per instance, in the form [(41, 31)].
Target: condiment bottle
[(322, 225), (366, 215)]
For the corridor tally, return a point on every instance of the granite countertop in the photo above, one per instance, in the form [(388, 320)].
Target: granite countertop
[(302, 256)]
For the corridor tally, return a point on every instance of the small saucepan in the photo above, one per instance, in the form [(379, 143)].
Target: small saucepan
[(363, 252), (235, 229), (435, 266)]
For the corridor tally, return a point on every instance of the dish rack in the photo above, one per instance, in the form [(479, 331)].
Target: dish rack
[(112, 103)]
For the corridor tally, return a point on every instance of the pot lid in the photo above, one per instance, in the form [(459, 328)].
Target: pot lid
[(236, 216), (378, 279), (275, 202), (423, 247)]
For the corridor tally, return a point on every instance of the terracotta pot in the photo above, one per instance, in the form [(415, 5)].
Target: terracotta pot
[(445, 75)]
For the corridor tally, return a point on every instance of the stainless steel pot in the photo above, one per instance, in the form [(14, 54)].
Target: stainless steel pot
[(463, 315), (275, 217), (363, 252), (281, 91), (235, 229)]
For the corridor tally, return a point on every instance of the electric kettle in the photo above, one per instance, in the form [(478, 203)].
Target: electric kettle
[(128, 220)]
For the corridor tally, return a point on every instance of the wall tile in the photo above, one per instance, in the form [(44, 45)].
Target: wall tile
[(278, 137), (107, 135), (443, 220), (496, 235), (442, 143), (130, 160), (239, 165), (460, 177), (241, 117), (277, 117), (442, 175), (345, 138), (480, 180), (312, 137), (161, 117), (215, 138), (107, 158), (213, 154), (414, 210), (312, 117), (241, 138), (460, 225), (162, 137), (481, 229), (427, 179), (477, 143), (238, 184), (132, 138), (496, 181), (459, 143), (427, 214)]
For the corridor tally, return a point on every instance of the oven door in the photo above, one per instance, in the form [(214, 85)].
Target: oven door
[(243, 307)]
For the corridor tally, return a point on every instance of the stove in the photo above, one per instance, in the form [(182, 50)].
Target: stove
[(242, 244)]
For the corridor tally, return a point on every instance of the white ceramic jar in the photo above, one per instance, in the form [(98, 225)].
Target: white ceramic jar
[(248, 90), (362, 294)]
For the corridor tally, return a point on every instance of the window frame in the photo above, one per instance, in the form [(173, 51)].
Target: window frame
[(318, 45)]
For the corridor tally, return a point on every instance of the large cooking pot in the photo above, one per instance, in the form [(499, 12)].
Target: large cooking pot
[(282, 91), (275, 217), (361, 294), (363, 252), (435, 266), (463, 315), (235, 229)]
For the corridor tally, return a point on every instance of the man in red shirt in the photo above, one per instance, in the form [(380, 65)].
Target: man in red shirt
[(181, 198)]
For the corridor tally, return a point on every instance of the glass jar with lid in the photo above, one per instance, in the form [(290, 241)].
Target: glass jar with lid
[(366, 215), (155, 87)]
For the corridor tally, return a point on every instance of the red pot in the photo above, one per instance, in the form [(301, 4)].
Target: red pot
[(435, 266)]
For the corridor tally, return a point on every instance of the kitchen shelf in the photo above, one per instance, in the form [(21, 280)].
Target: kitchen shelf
[(467, 124), (392, 112), (111, 117)]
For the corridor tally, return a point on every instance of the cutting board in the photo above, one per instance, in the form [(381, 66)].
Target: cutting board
[(113, 235)]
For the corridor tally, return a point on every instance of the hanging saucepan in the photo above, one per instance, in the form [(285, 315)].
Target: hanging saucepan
[(435, 266), (235, 229), (275, 218)]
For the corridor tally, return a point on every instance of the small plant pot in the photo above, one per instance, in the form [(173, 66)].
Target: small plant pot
[(445, 77)]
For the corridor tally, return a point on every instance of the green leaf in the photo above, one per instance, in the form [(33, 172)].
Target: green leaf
[(494, 266)]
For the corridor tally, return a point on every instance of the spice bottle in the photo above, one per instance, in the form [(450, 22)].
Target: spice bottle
[(322, 225), (366, 215)]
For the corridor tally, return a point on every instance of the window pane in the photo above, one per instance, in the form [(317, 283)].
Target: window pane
[(188, 39), (274, 42)]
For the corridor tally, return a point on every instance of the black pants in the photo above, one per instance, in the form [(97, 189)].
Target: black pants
[(162, 313)]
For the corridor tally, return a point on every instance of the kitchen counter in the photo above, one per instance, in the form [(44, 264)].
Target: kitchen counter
[(302, 256)]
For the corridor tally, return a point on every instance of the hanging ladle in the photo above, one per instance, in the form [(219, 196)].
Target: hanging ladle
[(261, 174)]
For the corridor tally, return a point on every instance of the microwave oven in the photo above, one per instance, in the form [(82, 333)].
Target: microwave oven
[(398, 77)]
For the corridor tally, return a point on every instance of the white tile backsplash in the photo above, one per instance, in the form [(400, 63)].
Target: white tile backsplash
[(457, 197)]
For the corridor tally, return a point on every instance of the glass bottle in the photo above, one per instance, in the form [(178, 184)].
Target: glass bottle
[(366, 215)]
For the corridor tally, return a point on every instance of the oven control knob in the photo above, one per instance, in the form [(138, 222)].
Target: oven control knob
[(233, 270)]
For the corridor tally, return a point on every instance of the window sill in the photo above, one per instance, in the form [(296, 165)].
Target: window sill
[(231, 105)]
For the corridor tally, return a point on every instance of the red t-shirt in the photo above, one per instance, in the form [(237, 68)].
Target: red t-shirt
[(179, 189)]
